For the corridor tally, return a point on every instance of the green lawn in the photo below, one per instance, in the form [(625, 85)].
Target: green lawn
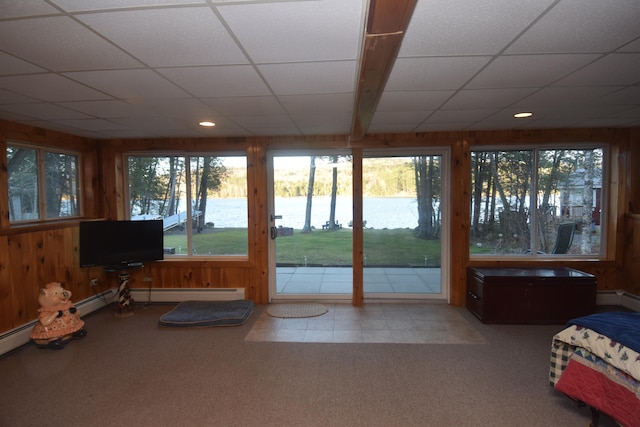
[(397, 247)]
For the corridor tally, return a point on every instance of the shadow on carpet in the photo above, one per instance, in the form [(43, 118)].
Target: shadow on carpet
[(208, 313)]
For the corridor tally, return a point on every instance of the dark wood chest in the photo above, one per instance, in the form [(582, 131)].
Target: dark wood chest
[(530, 295)]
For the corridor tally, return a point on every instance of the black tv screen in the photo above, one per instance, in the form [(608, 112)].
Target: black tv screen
[(120, 244)]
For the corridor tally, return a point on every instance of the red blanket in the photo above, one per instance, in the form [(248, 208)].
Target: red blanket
[(599, 385)]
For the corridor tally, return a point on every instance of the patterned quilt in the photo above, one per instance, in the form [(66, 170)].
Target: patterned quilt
[(600, 371)]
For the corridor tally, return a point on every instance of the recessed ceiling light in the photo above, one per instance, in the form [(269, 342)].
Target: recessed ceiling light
[(207, 124), (522, 115)]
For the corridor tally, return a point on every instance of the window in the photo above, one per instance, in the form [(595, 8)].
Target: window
[(201, 199), (558, 193), (43, 184)]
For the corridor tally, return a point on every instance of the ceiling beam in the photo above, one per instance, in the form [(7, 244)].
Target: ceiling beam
[(387, 22)]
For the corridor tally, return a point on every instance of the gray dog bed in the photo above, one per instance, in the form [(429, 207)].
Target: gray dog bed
[(208, 313)]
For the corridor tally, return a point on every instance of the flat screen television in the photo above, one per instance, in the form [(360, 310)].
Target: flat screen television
[(120, 244)]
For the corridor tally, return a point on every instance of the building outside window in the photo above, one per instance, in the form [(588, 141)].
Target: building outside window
[(43, 184), (537, 202), (202, 200)]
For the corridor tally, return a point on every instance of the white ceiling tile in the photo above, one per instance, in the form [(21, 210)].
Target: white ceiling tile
[(61, 44), (572, 27), (213, 82), (50, 87), (452, 116), (443, 126), (494, 124), (434, 73), (376, 128), (106, 109), (318, 103), (11, 116), (11, 65), (169, 37), (179, 108), (249, 122), (86, 5), (325, 129), (91, 124), (413, 100), (128, 84), (60, 127), (44, 111), (297, 30), (563, 96), (413, 118), (337, 118), (18, 8), (614, 69), (631, 47), (463, 27), (247, 105), (274, 131), (254, 66), (528, 70), (8, 97), (630, 113), (310, 78), (486, 98), (628, 95)]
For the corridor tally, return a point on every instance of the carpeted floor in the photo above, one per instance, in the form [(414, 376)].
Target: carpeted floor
[(131, 371)]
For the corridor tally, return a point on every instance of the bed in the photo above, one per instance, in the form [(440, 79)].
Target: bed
[(595, 360)]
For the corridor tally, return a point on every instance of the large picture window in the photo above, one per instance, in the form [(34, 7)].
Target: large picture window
[(43, 184), (537, 202), (202, 200)]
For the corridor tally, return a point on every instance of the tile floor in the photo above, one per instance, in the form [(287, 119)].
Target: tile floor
[(338, 280), (405, 323)]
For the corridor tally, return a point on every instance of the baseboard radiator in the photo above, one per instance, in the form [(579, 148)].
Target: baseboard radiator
[(19, 336), (619, 298), (171, 295)]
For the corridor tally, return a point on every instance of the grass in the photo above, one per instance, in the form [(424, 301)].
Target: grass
[(395, 247)]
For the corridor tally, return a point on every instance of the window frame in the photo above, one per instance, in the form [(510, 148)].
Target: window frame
[(41, 174), (534, 241), (188, 156)]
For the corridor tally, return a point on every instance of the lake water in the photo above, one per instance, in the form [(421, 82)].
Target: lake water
[(379, 212)]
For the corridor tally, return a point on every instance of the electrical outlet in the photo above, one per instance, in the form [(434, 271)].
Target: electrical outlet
[(93, 282), (146, 279)]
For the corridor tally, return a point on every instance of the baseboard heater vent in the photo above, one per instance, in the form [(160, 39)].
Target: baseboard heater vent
[(619, 297), (167, 295), (19, 336)]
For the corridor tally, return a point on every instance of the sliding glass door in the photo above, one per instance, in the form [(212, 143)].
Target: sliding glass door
[(404, 219), (310, 216)]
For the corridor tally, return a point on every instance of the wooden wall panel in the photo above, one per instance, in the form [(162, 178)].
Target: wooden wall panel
[(32, 256), (30, 260)]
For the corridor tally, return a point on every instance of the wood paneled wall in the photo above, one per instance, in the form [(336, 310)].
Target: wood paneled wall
[(31, 256)]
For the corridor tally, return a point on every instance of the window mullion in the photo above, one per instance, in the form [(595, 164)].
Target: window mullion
[(42, 177), (189, 204), (533, 203)]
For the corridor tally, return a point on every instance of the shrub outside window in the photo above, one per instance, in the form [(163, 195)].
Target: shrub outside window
[(43, 184), (564, 187), (202, 200)]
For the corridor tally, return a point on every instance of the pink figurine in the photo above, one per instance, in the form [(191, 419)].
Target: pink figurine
[(57, 321)]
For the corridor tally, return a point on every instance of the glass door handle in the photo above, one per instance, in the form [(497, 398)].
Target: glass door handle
[(274, 232)]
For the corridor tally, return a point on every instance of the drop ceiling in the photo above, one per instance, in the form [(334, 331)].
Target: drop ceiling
[(155, 68)]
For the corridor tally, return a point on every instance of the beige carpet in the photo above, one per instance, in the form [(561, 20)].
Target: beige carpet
[(296, 310), (133, 372)]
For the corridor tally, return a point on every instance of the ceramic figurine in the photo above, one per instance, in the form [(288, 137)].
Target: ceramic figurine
[(58, 322)]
